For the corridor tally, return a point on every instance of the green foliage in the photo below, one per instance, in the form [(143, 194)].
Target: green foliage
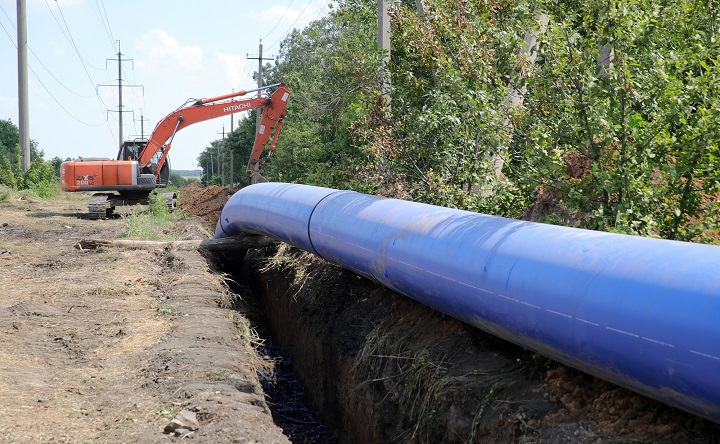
[(189, 173), (330, 67), (152, 223), (7, 172), (163, 308), (177, 181), (9, 154), (448, 91), (56, 162), (629, 145), (648, 126), (41, 180)]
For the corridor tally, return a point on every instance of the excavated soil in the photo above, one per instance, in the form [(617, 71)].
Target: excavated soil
[(205, 202)]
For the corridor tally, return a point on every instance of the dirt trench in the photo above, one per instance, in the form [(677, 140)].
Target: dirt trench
[(379, 367)]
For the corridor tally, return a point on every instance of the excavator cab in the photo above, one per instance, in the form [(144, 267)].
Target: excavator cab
[(131, 149)]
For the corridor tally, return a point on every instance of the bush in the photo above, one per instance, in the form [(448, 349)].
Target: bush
[(41, 180)]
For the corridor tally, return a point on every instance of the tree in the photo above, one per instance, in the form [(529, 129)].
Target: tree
[(331, 68), (9, 153), (645, 130), (631, 146)]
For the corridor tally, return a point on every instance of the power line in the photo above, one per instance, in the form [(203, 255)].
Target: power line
[(291, 26), (245, 74), (68, 36), (120, 87), (58, 102), (105, 22), (40, 61), (8, 34), (82, 60), (77, 51), (280, 19), (296, 20), (43, 84)]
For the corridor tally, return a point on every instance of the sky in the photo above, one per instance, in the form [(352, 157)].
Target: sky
[(174, 50)]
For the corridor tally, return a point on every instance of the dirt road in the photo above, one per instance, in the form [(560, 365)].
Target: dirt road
[(118, 345)]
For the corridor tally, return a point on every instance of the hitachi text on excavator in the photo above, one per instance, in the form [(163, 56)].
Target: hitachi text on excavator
[(142, 165)]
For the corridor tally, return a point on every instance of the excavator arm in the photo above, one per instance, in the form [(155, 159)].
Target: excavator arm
[(206, 109)]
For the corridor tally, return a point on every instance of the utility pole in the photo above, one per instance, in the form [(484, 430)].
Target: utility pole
[(232, 166), (23, 106), (260, 59), (222, 176), (142, 124), (420, 8), (384, 46), (120, 86)]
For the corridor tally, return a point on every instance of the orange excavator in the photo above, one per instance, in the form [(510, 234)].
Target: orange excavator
[(142, 165)]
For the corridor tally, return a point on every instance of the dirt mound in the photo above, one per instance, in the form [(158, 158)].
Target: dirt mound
[(206, 202)]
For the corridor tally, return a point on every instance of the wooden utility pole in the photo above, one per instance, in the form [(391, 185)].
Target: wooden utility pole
[(23, 103), (384, 46), (220, 169)]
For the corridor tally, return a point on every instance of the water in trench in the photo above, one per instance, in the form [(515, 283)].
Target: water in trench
[(284, 394)]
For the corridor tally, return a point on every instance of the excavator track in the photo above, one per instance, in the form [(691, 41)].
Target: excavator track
[(100, 206), (170, 200)]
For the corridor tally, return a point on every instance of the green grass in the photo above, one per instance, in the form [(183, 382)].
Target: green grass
[(165, 309), (152, 222)]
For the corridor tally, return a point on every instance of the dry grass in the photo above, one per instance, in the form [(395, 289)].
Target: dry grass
[(299, 262), (413, 377)]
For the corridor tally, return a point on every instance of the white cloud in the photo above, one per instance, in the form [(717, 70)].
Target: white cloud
[(233, 66), (161, 51)]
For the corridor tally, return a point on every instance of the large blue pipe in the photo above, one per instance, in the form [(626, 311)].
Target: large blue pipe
[(642, 313)]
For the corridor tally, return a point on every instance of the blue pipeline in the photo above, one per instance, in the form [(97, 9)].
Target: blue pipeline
[(642, 313)]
